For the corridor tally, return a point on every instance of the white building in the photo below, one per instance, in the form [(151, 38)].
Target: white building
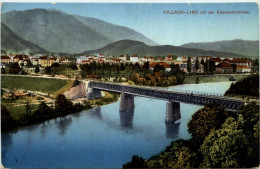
[(134, 58), (81, 58)]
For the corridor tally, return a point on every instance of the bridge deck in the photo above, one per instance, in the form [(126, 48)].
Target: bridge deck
[(227, 102)]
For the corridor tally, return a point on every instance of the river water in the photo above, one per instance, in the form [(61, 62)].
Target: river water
[(101, 137)]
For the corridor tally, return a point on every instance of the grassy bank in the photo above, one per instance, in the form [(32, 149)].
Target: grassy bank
[(213, 78), (45, 85)]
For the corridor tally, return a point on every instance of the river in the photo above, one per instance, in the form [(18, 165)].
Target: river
[(101, 137)]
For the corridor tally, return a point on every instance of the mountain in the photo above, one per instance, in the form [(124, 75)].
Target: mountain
[(11, 41), (57, 31), (131, 47), (243, 47), (113, 32)]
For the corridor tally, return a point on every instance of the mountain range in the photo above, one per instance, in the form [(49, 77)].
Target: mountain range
[(243, 47), (11, 41), (58, 31), (54, 31), (135, 47)]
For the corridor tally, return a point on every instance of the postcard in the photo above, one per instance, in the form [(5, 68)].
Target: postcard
[(129, 85)]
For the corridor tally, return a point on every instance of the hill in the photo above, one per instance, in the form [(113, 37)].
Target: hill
[(57, 31), (131, 47), (243, 47), (11, 41)]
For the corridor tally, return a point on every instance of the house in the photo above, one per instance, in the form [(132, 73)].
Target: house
[(241, 62), (18, 59), (168, 58), (151, 59), (84, 62), (224, 67), (166, 66), (35, 61), (243, 69), (81, 58), (47, 61), (216, 60), (204, 58), (18, 95), (122, 57), (182, 59), (134, 58), (5, 59)]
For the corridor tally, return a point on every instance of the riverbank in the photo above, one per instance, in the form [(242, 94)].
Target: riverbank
[(213, 78), (22, 120)]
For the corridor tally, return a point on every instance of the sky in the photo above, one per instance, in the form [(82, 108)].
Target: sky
[(167, 29)]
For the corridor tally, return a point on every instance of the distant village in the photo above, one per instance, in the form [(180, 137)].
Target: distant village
[(222, 65)]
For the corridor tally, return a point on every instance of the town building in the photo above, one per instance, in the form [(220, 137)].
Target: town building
[(134, 58), (166, 66), (5, 59)]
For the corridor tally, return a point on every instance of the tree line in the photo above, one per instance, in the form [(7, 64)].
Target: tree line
[(138, 74), (62, 107), (220, 139)]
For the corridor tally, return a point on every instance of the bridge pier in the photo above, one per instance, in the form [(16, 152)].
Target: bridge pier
[(93, 93), (126, 102), (172, 112)]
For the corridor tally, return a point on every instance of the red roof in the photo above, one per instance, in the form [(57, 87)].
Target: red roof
[(122, 55), (165, 65), (242, 67), (169, 56), (5, 57), (215, 59), (242, 60), (224, 65), (134, 56)]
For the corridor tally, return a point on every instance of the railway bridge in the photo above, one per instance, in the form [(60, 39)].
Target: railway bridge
[(93, 90)]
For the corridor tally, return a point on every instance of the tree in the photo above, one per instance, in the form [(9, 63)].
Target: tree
[(146, 66), (15, 68), (189, 65), (212, 66), (7, 122), (37, 69), (73, 66), (206, 66), (197, 64), (206, 119), (43, 112), (3, 70), (234, 66), (62, 105), (225, 147), (202, 62), (48, 70), (179, 154), (29, 64), (28, 109), (158, 68), (137, 162), (136, 66)]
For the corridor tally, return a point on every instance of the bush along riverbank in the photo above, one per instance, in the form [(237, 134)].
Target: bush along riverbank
[(220, 139), (213, 78), (62, 107)]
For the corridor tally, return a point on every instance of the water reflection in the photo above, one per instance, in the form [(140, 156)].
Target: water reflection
[(172, 130), (44, 128), (96, 112), (6, 143), (63, 124), (126, 118)]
